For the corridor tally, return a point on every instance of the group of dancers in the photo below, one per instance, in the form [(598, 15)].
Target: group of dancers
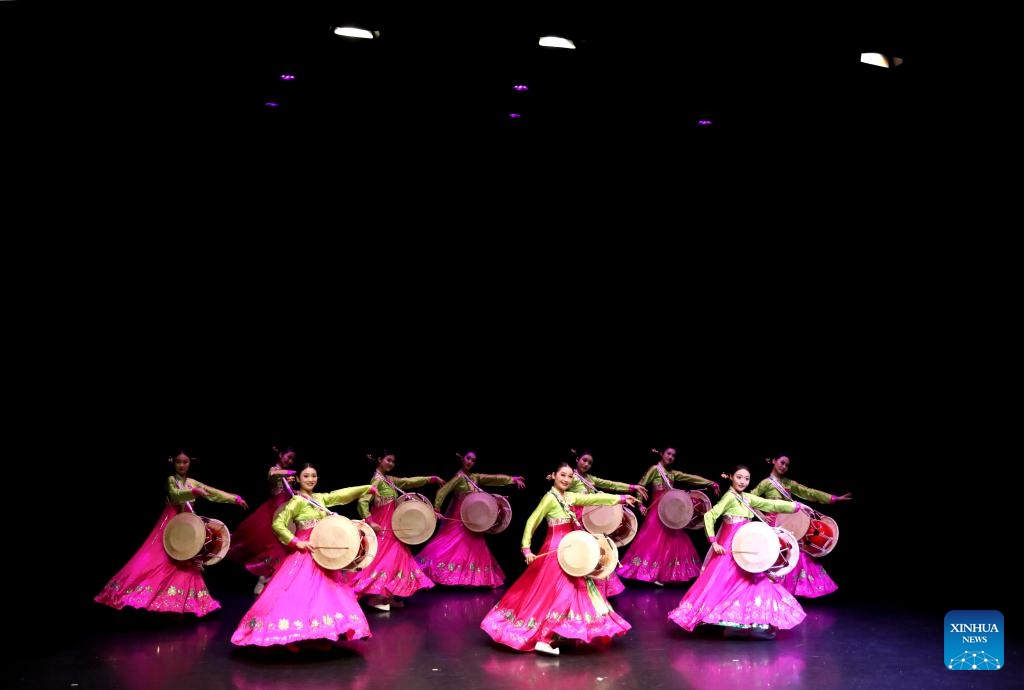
[(300, 604)]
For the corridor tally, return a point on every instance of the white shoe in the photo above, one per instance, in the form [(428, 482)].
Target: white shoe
[(545, 648), (381, 607), (660, 584), (260, 584)]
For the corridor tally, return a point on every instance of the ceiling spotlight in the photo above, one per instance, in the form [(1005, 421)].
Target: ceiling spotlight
[(880, 60), (556, 42), (353, 32)]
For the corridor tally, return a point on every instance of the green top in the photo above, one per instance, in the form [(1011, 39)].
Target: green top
[(604, 484), (729, 504), (768, 490), (653, 476), (179, 492), (460, 486), (384, 490), (549, 507), (298, 509)]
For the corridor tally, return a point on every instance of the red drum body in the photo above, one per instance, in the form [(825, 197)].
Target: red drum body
[(821, 537), (701, 505), (187, 536)]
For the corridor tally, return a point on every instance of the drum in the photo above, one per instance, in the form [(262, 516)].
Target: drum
[(675, 509), (701, 505), (413, 520), (821, 537), (484, 512), (602, 519), (789, 553), (335, 540), (367, 550), (757, 548), (797, 522), (626, 530), (582, 554), (187, 536)]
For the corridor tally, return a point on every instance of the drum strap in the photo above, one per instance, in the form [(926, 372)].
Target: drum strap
[(782, 490), (183, 486), (313, 502), (387, 481), (586, 482), (664, 476), (751, 508), (572, 513), (469, 480)]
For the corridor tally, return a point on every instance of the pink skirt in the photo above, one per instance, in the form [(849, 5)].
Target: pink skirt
[(302, 601), (458, 556), (545, 603), (154, 581), (660, 554), (254, 543), (725, 594), (394, 571)]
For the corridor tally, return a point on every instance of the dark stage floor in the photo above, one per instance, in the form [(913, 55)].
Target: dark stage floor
[(435, 642)]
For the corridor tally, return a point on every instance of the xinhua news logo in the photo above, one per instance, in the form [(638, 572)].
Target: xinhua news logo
[(974, 641)]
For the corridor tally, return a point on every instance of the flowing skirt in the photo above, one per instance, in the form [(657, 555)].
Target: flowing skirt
[(660, 554), (254, 544), (545, 602), (154, 581), (808, 579), (394, 571), (725, 594), (302, 602), (458, 556)]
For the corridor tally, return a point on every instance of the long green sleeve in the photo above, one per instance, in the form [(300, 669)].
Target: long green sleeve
[(299, 509), (768, 490), (550, 508)]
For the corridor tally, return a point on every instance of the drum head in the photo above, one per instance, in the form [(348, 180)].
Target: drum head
[(608, 561), (796, 523), (335, 540), (413, 520), (479, 511), (602, 519), (675, 509), (755, 547), (368, 546), (789, 552), (578, 553), (701, 505), (627, 530), (184, 536), (822, 536), (504, 515), (219, 542)]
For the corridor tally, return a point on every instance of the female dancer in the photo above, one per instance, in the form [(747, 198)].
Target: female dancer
[(458, 556), (809, 578), (745, 604), (253, 543), (585, 483), (659, 554), (394, 572), (546, 605), (303, 604), (152, 579)]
